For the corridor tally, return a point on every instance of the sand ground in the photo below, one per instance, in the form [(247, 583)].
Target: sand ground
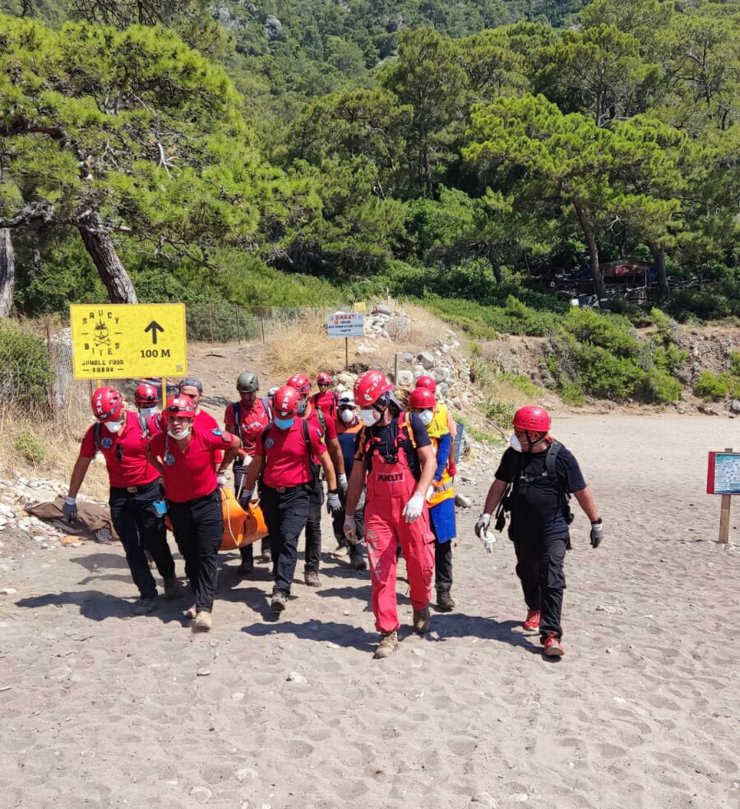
[(101, 709)]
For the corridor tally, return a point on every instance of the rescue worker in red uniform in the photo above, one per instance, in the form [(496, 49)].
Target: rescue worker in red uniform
[(146, 399), (348, 425), (394, 457), (192, 387), (248, 418), (440, 496), (542, 473), (284, 458), (326, 400), (134, 491), (186, 455), (327, 428)]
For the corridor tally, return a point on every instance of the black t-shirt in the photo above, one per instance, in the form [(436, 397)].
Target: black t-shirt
[(385, 443), (540, 511)]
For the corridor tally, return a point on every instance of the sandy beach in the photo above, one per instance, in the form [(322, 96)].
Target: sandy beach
[(103, 710)]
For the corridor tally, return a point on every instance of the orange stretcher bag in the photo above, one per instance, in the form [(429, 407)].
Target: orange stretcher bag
[(240, 527)]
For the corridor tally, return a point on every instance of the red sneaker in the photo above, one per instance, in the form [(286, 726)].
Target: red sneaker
[(553, 646), (532, 621)]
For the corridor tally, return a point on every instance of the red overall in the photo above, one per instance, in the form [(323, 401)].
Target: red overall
[(389, 487)]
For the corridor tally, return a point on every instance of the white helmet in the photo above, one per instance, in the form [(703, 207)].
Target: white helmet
[(347, 399)]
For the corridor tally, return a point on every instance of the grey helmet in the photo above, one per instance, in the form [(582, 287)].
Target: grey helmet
[(247, 382)]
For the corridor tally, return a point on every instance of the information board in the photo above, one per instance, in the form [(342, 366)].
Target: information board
[(346, 324), (120, 341), (723, 473)]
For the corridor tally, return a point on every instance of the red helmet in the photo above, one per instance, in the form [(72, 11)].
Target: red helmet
[(180, 406), (370, 387), (426, 382), (285, 403), (422, 399), (146, 395), (301, 383), (323, 378), (533, 418), (107, 404)]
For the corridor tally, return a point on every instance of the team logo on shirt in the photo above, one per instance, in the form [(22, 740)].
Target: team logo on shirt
[(216, 431), (169, 459), (106, 443), (270, 443)]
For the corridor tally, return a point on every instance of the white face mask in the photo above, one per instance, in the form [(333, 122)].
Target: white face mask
[(426, 417), (347, 416), (147, 412), (515, 444), (113, 426), (369, 416), (184, 433)]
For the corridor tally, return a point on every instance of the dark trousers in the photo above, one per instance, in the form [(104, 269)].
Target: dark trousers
[(356, 549), (140, 529), (313, 526), (443, 564), (198, 526), (286, 514), (540, 570), (247, 551)]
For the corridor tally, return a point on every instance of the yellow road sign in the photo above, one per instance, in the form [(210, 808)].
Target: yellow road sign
[(118, 341)]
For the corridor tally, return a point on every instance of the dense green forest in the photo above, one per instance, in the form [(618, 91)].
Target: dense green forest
[(290, 152)]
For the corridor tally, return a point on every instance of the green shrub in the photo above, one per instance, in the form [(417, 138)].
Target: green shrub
[(659, 386), (669, 358), (614, 333), (735, 363), (501, 413), (30, 446), (25, 375), (520, 382), (712, 387)]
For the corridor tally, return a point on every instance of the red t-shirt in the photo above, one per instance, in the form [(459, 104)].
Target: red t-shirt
[(327, 421), (286, 457), (326, 402), (190, 473), (124, 453), (206, 422), (252, 423)]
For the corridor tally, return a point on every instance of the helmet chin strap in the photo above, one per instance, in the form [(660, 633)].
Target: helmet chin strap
[(531, 444)]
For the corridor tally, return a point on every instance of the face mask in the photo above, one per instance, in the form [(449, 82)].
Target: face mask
[(183, 434), (302, 407), (113, 426), (147, 412), (515, 444), (369, 416), (283, 424), (347, 416), (426, 417)]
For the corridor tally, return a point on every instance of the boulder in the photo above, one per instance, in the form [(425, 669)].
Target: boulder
[(426, 359), (735, 406)]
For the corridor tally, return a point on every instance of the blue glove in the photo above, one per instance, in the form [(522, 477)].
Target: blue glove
[(69, 509)]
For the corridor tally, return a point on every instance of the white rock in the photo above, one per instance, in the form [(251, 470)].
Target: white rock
[(296, 677), (8, 591), (201, 794)]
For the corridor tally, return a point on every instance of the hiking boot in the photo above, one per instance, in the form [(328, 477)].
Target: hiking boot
[(422, 619), (532, 621), (279, 601), (553, 646), (171, 587), (203, 622), (145, 605), (358, 562), (445, 602), (311, 577), (190, 613), (388, 644)]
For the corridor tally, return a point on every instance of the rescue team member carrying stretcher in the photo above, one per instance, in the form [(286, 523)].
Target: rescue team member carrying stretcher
[(187, 455), (134, 490), (284, 456), (395, 457), (540, 474)]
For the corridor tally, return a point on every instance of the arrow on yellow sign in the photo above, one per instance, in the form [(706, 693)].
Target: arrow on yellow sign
[(154, 327)]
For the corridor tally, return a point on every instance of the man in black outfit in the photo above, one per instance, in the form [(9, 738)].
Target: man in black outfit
[(542, 474)]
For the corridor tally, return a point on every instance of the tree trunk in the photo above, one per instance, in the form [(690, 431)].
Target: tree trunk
[(7, 273), (658, 253), (593, 250), (99, 245)]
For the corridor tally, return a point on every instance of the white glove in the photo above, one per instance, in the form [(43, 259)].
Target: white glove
[(221, 478), (412, 510), (430, 493), (481, 531), (342, 481), (333, 503), (350, 529)]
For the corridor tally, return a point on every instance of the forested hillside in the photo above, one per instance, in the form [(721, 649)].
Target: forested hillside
[(312, 151)]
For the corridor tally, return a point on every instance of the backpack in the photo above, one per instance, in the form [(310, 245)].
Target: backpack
[(504, 507), (235, 407)]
